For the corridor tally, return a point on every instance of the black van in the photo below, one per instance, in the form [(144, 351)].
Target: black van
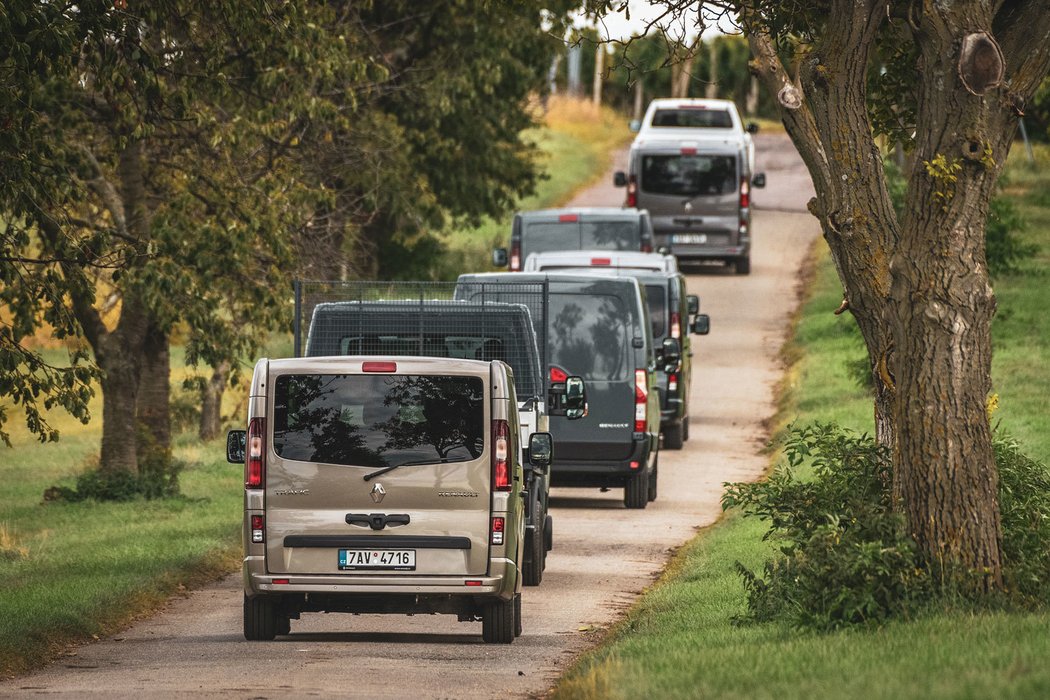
[(580, 228), (674, 316), (598, 328)]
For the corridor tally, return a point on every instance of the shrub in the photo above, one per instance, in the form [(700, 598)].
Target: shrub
[(846, 556)]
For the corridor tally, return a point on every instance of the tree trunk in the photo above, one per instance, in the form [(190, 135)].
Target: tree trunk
[(712, 76), (119, 384), (639, 100), (599, 74), (211, 402), (918, 288), (154, 399)]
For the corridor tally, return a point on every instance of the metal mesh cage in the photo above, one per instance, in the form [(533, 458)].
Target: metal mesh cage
[(426, 319)]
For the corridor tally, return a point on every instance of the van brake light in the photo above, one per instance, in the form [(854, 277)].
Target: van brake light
[(558, 375), (641, 400), (499, 525), (745, 193), (601, 261), (378, 366), (632, 191), (500, 455), (255, 463), (676, 325), (515, 256), (569, 218)]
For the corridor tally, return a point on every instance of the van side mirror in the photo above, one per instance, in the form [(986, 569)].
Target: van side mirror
[(759, 180), (701, 324), (236, 440), (620, 179), (694, 304), (568, 398), (499, 257), (541, 449), (635, 125), (671, 354), (752, 128)]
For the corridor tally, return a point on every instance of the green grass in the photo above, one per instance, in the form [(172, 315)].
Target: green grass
[(680, 641), (73, 570)]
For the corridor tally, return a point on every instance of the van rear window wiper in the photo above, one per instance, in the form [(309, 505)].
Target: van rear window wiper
[(384, 470)]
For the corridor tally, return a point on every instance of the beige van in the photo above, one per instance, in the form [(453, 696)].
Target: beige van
[(383, 485)]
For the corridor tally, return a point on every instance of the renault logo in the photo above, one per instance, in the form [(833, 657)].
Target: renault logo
[(377, 493)]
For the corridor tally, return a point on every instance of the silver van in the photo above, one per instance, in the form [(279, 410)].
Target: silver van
[(696, 185), (383, 485)]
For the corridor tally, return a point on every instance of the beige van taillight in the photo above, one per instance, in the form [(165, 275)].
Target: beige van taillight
[(641, 400), (257, 529), (632, 191), (499, 525), (500, 450), (255, 462)]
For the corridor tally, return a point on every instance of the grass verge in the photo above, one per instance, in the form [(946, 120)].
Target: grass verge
[(73, 571), (681, 641)]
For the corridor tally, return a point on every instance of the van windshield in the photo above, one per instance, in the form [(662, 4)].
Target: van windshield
[(688, 174), (378, 420), (657, 298), (694, 118), (541, 237), (588, 336)]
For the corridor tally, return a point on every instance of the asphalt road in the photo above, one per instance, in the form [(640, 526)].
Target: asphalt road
[(604, 555)]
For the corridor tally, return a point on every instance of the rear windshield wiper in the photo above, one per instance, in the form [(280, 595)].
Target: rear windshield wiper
[(384, 470)]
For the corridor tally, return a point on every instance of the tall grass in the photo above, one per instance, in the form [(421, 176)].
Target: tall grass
[(681, 639)]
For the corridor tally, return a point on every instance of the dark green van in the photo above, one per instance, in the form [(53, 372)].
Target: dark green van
[(598, 328)]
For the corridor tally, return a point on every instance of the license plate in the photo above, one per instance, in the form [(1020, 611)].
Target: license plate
[(693, 238), (377, 559)]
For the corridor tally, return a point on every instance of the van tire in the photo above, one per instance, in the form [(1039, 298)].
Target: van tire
[(532, 570), (548, 536), (517, 615), (674, 437), (685, 429), (498, 622), (651, 492), (743, 266), (636, 492), (260, 619)]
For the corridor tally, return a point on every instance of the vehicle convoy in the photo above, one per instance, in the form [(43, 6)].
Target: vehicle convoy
[(383, 485), (582, 228), (484, 330), (673, 314), (598, 328), (691, 166)]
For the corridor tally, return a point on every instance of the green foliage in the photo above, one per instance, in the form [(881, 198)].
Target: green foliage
[(157, 478), (1024, 508), (845, 556)]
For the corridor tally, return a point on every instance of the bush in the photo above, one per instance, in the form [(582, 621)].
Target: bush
[(846, 557)]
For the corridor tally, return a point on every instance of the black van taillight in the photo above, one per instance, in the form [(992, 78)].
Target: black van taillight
[(632, 191), (641, 400), (255, 460), (515, 256), (558, 375), (500, 455), (676, 325)]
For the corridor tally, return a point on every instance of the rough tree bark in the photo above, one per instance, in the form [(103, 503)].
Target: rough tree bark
[(918, 287), (153, 409)]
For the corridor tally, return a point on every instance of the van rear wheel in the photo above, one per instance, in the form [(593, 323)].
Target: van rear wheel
[(517, 615), (532, 570), (260, 619), (636, 492), (674, 437), (743, 266), (498, 622)]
